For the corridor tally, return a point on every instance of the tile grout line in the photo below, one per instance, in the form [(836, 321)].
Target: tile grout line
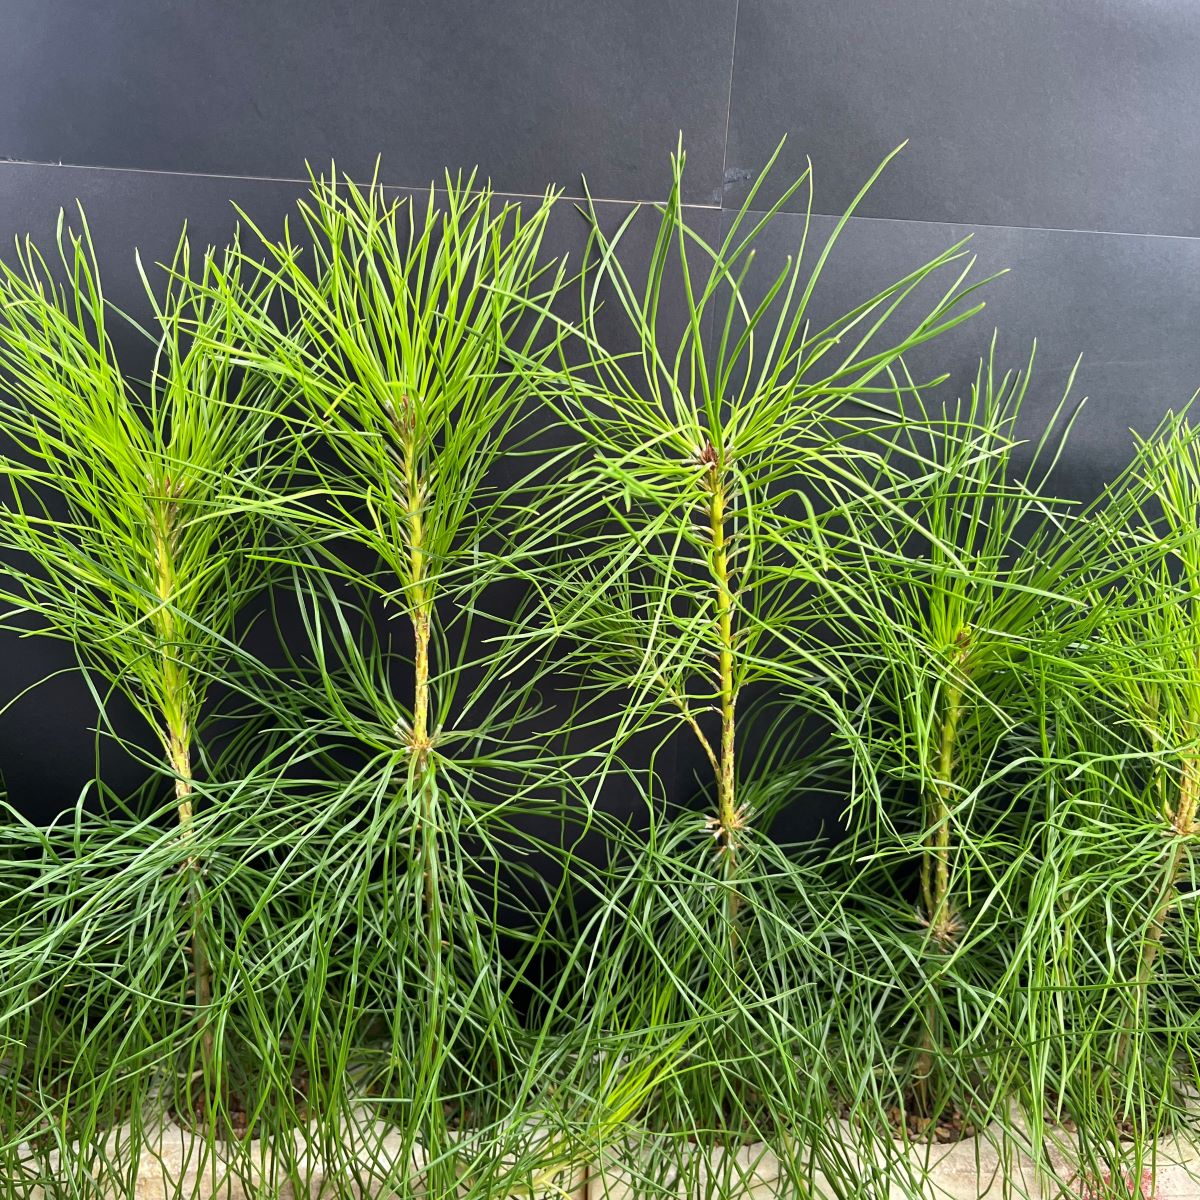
[(737, 12), (713, 207), (969, 225), (404, 187)]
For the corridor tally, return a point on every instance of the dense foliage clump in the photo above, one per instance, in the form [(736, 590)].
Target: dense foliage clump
[(423, 905)]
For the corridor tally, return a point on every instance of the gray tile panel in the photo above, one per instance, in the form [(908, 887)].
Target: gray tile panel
[(529, 91), (1077, 114)]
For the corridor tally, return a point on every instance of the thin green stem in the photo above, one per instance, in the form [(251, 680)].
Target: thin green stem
[(730, 817), (422, 617), (935, 868), (178, 717), (420, 602), (1182, 826), (938, 905)]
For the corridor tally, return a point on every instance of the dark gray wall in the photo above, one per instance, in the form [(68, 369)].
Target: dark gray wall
[(1064, 135)]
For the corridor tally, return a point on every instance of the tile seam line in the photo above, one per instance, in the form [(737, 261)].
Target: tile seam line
[(737, 12), (704, 207), (1130, 233), (407, 187)]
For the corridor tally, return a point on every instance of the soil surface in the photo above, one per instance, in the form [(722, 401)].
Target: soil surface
[(1126, 1127), (231, 1121), (949, 1126)]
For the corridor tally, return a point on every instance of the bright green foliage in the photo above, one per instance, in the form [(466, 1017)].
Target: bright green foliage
[(393, 352), (131, 513), (1112, 933), (418, 916), (709, 521), (961, 601), (130, 502)]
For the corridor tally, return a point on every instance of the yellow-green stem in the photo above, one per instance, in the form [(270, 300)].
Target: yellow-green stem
[(180, 756), (935, 866), (420, 738), (422, 617), (729, 816), (1182, 826), (177, 707), (421, 743), (935, 870)]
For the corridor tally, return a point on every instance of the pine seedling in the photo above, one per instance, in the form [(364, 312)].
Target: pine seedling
[(130, 518), (707, 518), (399, 324), (1128, 735), (1103, 982), (956, 618)]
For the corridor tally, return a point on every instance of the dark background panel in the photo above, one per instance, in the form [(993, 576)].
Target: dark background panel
[(1078, 114), (532, 92), (49, 748), (131, 214), (1070, 114), (48, 740), (1128, 306)]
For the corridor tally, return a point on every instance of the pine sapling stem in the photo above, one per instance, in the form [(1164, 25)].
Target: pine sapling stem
[(936, 900), (177, 707), (730, 818), (935, 867), (181, 758), (421, 743), (1182, 826), (422, 618), (420, 738)]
